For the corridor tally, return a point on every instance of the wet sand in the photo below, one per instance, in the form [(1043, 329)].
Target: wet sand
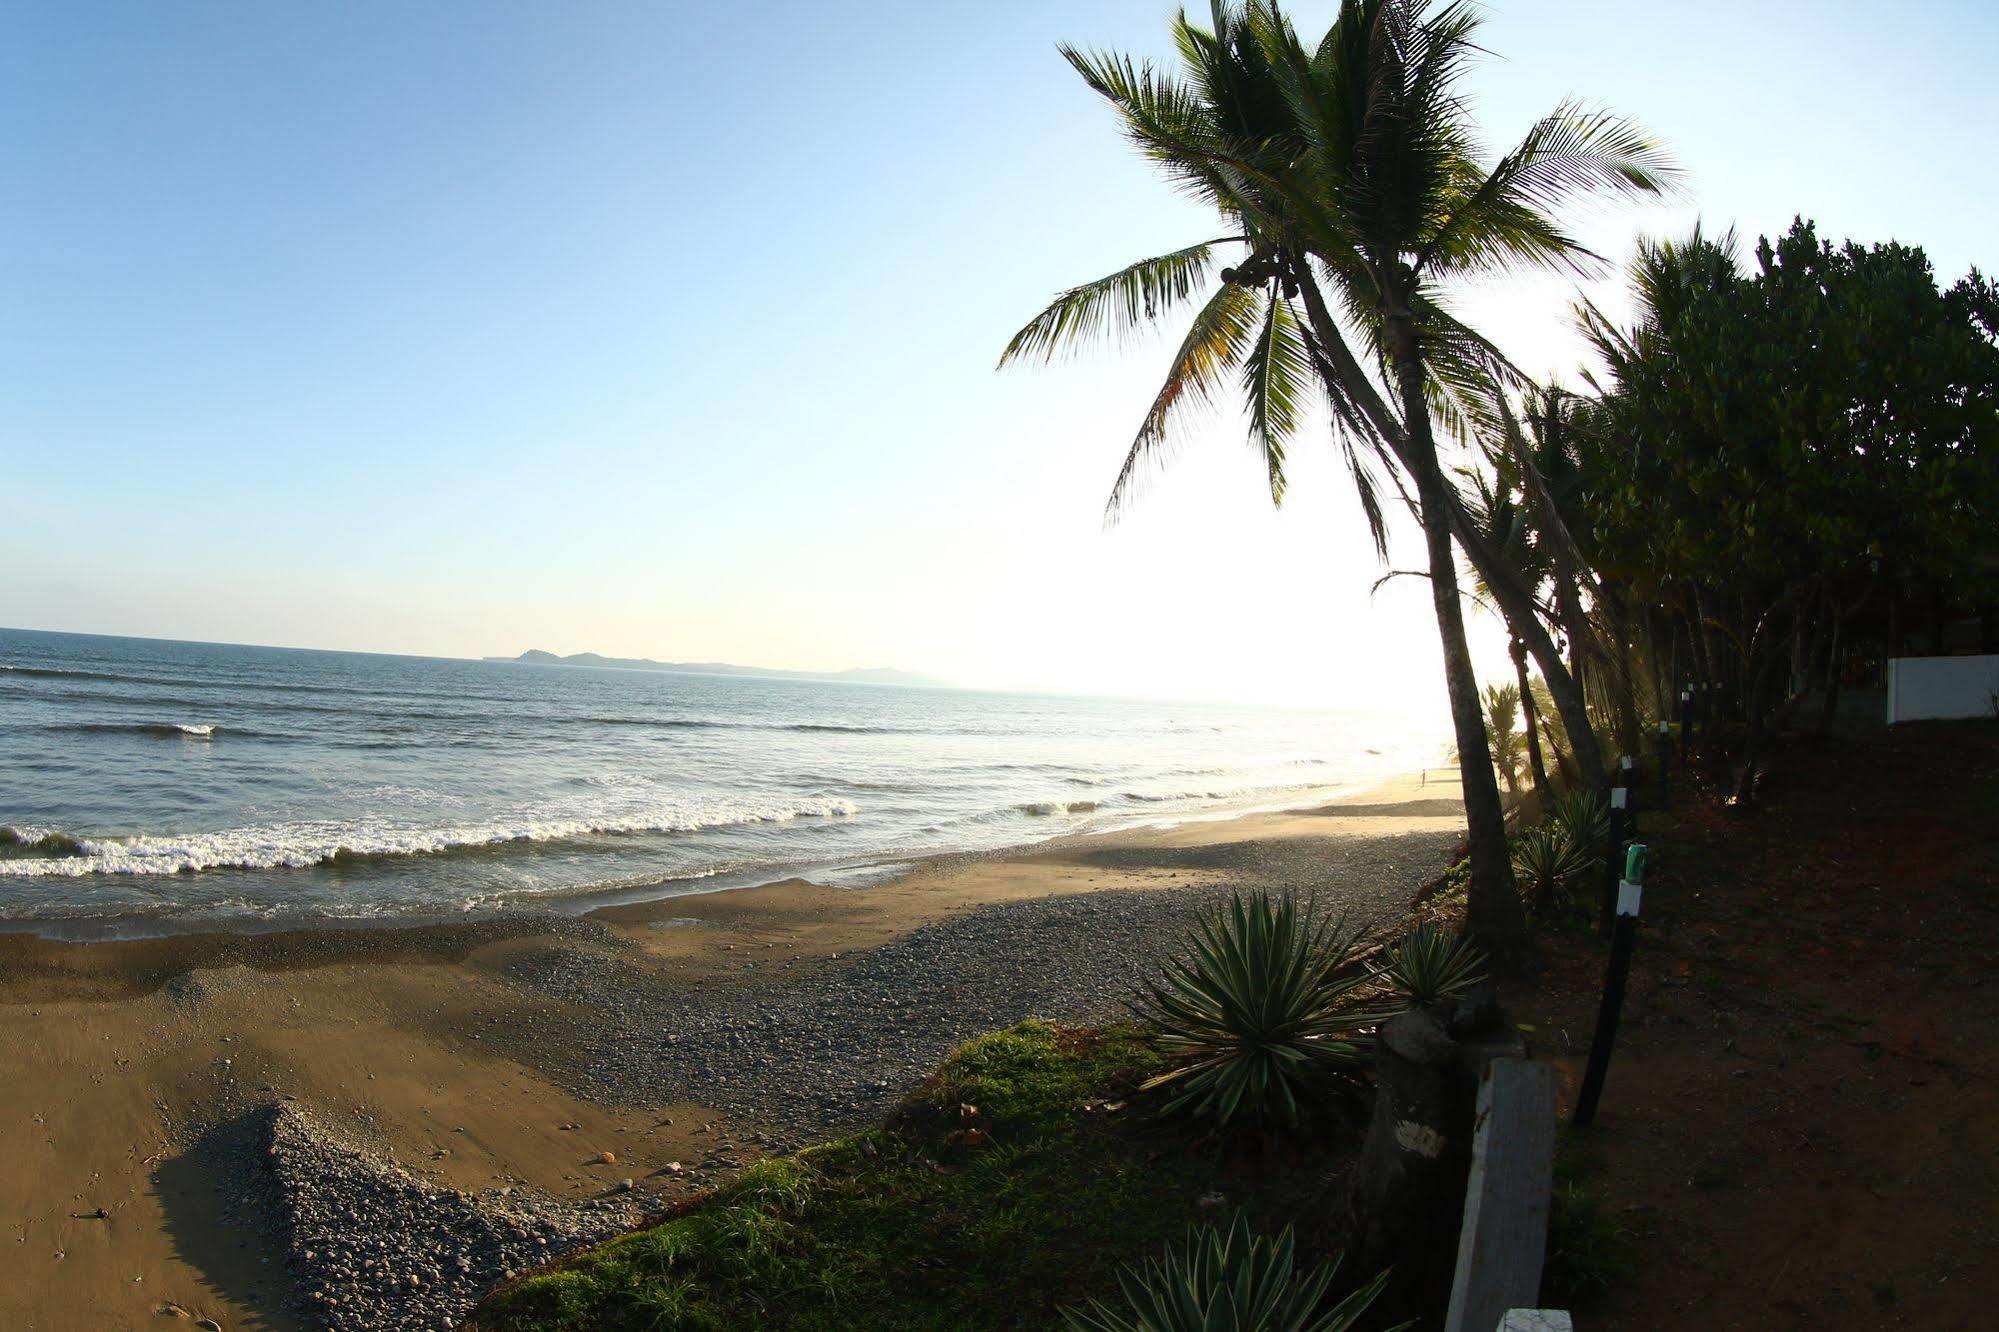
[(452, 1049)]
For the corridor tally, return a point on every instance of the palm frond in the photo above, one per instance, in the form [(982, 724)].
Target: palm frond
[(1505, 218), (1216, 343), (1274, 377), (1167, 123), (1116, 304)]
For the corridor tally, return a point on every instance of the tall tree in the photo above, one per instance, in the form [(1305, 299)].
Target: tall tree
[(1389, 204), (1350, 175), (1774, 442)]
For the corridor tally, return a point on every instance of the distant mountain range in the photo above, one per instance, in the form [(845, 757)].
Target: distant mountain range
[(864, 675)]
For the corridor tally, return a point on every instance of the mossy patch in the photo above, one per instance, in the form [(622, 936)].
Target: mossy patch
[(1015, 1181)]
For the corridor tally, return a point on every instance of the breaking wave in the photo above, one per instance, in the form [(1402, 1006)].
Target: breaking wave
[(307, 844), (195, 730)]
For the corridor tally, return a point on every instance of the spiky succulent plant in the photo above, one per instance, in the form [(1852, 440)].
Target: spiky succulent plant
[(1227, 1280), (1429, 965), (1260, 1010)]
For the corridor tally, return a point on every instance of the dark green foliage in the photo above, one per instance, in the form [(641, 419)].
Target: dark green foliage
[(1227, 1281), (903, 1227), (1429, 965), (1261, 1011), (1780, 447)]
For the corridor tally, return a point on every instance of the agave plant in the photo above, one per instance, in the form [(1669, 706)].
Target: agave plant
[(1585, 817), (1428, 965), (1547, 857), (1262, 1007), (1226, 1281)]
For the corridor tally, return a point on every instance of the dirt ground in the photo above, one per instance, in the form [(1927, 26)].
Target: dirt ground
[(1801, 1126)]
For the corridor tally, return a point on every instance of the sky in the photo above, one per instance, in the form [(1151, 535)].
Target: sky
[(669, 330)]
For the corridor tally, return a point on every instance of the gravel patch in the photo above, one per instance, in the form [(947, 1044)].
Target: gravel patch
[(371, 1246), (834, 1047)]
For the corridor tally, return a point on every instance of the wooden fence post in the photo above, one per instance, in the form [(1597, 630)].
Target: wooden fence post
[(1505, 1235)]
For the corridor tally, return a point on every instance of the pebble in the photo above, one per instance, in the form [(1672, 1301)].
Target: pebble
[(811, 1054), (371, 1246)]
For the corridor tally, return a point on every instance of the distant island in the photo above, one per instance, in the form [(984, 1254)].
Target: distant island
[(859, 675)]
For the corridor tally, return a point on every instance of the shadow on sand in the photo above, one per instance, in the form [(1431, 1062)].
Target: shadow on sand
[(223, 1217)]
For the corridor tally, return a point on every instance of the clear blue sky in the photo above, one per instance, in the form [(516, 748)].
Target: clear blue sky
[(669, 329)]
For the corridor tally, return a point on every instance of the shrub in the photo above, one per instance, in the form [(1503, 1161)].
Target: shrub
[(1429, 965), (1226, 1281), (1263, 1007)]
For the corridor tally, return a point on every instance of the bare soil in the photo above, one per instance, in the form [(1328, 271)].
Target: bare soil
[(1801, 1126)]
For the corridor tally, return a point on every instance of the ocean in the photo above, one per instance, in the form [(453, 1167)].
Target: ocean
[(149, 786)]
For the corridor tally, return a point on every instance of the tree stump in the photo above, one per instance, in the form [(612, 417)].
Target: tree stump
[(1407, 1193)]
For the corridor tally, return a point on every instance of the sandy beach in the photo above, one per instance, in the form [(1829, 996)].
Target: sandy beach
[(204, 1126)]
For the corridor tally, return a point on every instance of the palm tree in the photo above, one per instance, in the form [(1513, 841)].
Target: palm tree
[(1352, 168), (1502, 706), (1502, 522), (1530, 725), (1387, 147)]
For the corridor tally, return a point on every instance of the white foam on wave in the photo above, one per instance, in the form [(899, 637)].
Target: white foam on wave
[(305, 844)]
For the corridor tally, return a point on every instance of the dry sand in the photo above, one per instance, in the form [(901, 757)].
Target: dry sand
[(117, 1057)]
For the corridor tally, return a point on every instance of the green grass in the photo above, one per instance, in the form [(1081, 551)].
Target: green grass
[(1590, 1252), (899, 1228)]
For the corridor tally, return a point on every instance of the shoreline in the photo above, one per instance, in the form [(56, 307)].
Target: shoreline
[(530, 913), (682, 1037)]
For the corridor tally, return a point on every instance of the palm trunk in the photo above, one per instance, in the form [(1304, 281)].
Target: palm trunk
[(1760, 663), (1569, 603), (1829, 705), (1623, 675), (1336, 364), (1492, 904), (1524, 620), (1529, 722)]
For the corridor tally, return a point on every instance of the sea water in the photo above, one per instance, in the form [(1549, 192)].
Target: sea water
[(152, 786)]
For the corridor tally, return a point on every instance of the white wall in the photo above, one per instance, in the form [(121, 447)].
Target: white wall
[(1924, 688)]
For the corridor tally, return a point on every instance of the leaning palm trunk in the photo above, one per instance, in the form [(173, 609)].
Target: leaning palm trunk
[(1516, 606), (1529, 723), (1492, 905), (1620, 656), (1343, 375)]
